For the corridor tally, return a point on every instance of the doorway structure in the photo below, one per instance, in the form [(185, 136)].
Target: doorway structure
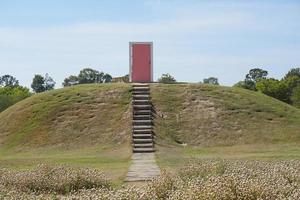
[(141, 62)]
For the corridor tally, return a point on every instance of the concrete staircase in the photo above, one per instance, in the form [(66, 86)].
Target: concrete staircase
[(142, 122)]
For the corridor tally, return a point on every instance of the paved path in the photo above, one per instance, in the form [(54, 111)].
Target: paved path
[(143, 167)]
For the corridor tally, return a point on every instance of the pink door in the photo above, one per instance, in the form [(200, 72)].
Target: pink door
[(141, 62)]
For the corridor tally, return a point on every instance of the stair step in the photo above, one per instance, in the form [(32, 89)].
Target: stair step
[(142, 122), (141, 136), (139, 141), (142, 117), (141, 127), (142, 107), (140, 88), (143, 150), (140, 85), (148, 145), (142, 131), (141, 103), (142, 112), (141, 96), (142, 92)]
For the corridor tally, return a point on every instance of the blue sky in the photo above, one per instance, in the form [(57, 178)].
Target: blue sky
[(192, 39)]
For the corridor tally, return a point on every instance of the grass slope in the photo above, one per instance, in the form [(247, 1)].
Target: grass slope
[(205, 121), (82, 125)]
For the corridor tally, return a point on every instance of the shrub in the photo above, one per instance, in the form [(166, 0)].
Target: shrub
[(12, 95), (166, 78)]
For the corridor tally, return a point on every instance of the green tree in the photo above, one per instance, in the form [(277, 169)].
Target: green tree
[(107, 78), (71, 81), (38, 83), (42, 84), (274, 88), (89, 75), (292, 82), (211, 80), (8, 81), (256, 74), (12, 95), (252, 78), (166, 78), (295, 97), (49, 83), (293, 72)]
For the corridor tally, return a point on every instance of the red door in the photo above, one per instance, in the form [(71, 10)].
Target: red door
[(141, 62)]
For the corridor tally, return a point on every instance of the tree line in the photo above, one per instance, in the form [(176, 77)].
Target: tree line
[(11, 92), (286, 89)]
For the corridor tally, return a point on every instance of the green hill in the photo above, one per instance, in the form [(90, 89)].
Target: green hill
[(206, 115), (89, 125), (70, 118)]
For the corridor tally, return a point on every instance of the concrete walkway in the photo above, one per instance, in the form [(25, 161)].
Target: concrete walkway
[(143, 167)]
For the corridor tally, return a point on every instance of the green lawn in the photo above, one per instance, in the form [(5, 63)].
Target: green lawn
[(173, 157), (113, 161)]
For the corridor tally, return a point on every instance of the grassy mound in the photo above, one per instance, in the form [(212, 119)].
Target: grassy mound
[(205, 115), (68, 118), (89, 126), (86, 125), (204, 121)]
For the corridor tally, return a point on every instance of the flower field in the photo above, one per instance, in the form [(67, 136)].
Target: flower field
[(202, 179)]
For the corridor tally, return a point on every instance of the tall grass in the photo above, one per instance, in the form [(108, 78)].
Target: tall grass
[(204, 179)]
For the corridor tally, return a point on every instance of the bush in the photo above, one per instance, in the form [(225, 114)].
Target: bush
[(274, 88), (12, 95), (166, 78), (295, 98)]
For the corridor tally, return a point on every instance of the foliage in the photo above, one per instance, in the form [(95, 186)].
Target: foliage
[(49, 83), (42, 84), (274, 88), (256, 74), (12, 95), (295, 97), (252, 78), (71, 81), (8, 81), (87, 75), (38, 83), (293, 72), (211, 80), (283, 90), (166, 78), (107, 78)]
